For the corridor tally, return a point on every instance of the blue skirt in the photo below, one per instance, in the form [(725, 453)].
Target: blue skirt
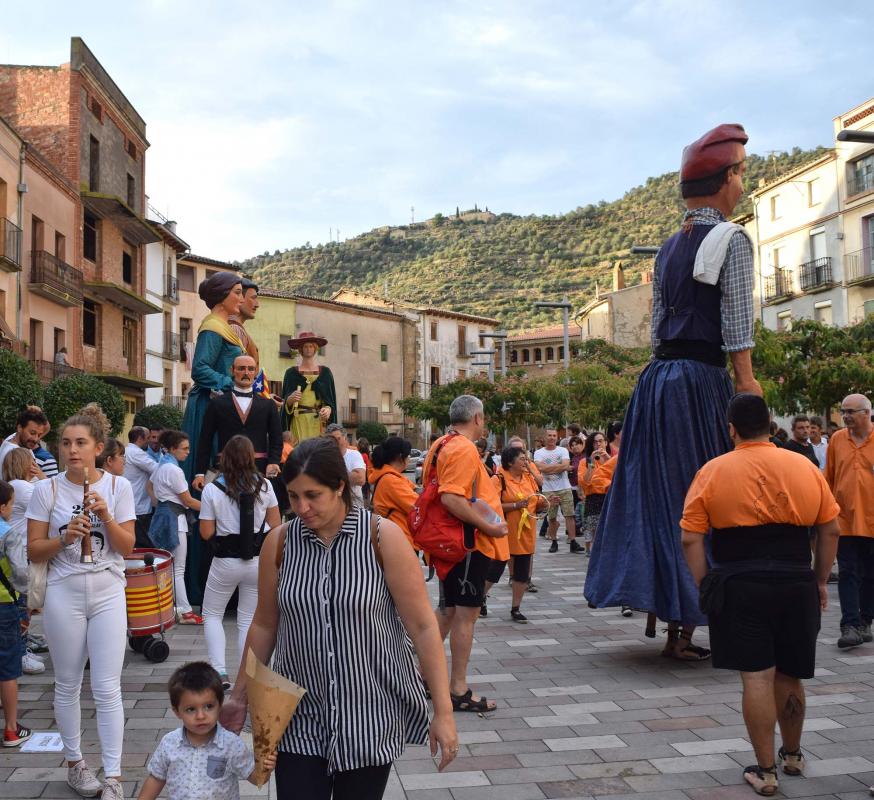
[(675, 423)]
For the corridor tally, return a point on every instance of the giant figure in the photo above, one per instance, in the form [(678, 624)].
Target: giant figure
[(308, 391)]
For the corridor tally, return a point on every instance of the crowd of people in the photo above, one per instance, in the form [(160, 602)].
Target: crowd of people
[(325, 543)]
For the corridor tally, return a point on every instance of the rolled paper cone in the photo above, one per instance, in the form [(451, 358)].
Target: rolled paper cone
[(272, 702)]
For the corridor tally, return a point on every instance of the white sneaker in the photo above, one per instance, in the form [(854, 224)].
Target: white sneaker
[(82, 780), (31, 665), (112, 790)]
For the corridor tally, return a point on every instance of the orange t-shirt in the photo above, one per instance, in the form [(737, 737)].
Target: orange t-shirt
[(520, 542), (849, 470), (757, 484), (393, 497), (600, 479), (458, 466)]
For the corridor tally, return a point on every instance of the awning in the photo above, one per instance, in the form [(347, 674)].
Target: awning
[(126, 380), (109, 207), (121, 297)]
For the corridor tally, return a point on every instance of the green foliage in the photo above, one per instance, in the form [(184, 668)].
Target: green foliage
[(159, 416), (494, 268), (65, 396), (19, 387), (374, 432)]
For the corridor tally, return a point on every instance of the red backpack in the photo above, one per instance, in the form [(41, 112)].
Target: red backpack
[(441, 535)]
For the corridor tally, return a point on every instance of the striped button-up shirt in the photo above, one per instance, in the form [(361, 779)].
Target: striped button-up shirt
[(340, 637), (736, 282)]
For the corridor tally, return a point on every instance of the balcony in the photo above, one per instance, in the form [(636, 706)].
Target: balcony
[(47, 371), (859, 266), (778, 286), (10, 246), (171, 288), (172, 346), (174, 401), (816, 274), (860, 182), (55, 279), (353, 416)]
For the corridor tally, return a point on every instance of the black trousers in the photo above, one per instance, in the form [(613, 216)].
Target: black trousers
[(306, 778), (141, 530)]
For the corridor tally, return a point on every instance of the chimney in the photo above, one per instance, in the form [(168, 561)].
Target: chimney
[(618, 277), (170, 224)]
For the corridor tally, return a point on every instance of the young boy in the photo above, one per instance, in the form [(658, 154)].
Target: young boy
[(201, 760), (11, 643)]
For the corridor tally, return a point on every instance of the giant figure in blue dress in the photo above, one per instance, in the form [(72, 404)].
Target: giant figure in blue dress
[(702, 315)]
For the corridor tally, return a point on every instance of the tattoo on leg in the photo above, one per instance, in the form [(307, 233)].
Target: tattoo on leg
[(794, 707)]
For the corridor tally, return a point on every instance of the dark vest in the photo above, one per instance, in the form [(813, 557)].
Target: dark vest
[(692, 319)]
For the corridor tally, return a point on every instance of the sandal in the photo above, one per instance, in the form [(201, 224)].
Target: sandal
[(465, 702), (691, 652), (762, 779), (793, 763), (517, 616)]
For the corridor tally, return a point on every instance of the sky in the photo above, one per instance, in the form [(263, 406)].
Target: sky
[(273, 123)]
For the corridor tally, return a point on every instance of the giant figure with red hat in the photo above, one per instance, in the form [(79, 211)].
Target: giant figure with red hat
[(702, 319), (309, 397)]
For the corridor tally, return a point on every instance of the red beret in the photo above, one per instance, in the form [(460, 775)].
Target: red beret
[(714, 151)]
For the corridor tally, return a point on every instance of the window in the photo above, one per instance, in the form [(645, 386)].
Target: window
[(550, 354), (131, 191), (127, 337), (784, 321), (185, 277), (514, 356), (561, 352), (462, 340), (462, 374), (95, 108), (814, 192), (127, 267), (385, 405), (822, 312), (184, 329), (862, 177), (435, 376), (526, 355), (37, 235), (93, 164), (538, 355), (284, 350), (354, 342), (776, 207), (131, 149), (353, 403), (60, 246), (777, 257), (383, 352), (89, 238), (60, 339), (482, 342), (433, 331), (275, 387), (89, 323)]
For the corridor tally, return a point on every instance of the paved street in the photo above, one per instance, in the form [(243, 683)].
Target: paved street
[(587, 708)]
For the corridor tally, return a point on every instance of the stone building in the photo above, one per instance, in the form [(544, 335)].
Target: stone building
[(540, 351), (621, 316)]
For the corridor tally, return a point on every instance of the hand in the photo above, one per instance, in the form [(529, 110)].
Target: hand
[(443, 733), (198, 483), (277, 399), (272, 471), (499, 530), (822, 587), (78, 528), (214, 393), (554, 500), (35, 472), (294, 397), (96, 505), (233, 714), (269, 762), (750, 385), (325, 413)]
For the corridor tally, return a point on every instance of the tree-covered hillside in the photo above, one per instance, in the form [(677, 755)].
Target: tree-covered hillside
[(496, 264)]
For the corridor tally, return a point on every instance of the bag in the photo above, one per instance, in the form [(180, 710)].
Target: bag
[(38, 574), (247, 543), (441, 535)]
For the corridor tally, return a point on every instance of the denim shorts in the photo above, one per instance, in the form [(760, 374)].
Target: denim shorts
[(11, 643)]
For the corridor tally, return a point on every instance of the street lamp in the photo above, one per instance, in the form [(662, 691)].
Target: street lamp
[(856, 136), (565, 307), (490, 363), (644, 250), (502, 336)]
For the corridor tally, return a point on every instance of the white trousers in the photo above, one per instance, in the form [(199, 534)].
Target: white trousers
[(225, 575), (85, 617), (180, 554)]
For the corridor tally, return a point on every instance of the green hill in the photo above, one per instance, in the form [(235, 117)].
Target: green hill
[(495, 265)]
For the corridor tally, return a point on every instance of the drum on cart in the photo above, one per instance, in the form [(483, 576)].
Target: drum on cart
[(150, 601)]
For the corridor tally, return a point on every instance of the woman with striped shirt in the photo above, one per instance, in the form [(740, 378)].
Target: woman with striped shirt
[(339, 590)]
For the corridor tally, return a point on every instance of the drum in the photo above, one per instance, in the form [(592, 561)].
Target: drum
[(149, 591)]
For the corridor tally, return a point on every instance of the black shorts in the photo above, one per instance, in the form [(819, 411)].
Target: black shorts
[(522, 568), (465, 585), (495, 571), (767, 622)]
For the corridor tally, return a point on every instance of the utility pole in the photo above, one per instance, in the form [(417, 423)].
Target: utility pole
[(490, 363)]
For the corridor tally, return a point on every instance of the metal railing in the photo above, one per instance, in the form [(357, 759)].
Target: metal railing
[(816, 273), (358, 415), (50, 271), (859, 182), (47, 371), (778, 285), (859, 265), (10, 242), (174, 401), (171, 288), (172, 345)]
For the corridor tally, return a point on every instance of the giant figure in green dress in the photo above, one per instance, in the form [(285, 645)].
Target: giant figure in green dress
[(308, 391)]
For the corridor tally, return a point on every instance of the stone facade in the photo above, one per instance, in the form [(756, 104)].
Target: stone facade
[(540, 351)]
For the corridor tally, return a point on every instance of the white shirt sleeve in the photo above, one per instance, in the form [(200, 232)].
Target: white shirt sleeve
[(124, 509), (40, 504), (207, 503), (138, 457), (355, 461), (176, 480), (269, 496)]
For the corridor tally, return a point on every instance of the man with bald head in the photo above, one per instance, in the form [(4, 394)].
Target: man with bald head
[(242, 412), (849, 470)]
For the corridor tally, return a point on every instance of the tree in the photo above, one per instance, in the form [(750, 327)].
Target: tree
[(19, 387), (65, 396), (374, 432), (159, 416)]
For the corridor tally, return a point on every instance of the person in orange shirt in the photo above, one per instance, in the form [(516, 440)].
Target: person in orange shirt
[(392, 495), (594, 454), (521, 502), (531, 469), (763, 602), (462, 478), (849, 470)]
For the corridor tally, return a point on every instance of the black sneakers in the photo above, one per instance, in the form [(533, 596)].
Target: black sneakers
[(553, 548)]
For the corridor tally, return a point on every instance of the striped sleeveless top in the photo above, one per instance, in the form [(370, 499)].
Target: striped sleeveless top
[(340, 637)]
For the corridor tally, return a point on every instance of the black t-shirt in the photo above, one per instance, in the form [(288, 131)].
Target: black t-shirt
[(805, 450)]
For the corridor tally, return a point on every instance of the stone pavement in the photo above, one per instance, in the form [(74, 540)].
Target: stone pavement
[(586, 708)]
